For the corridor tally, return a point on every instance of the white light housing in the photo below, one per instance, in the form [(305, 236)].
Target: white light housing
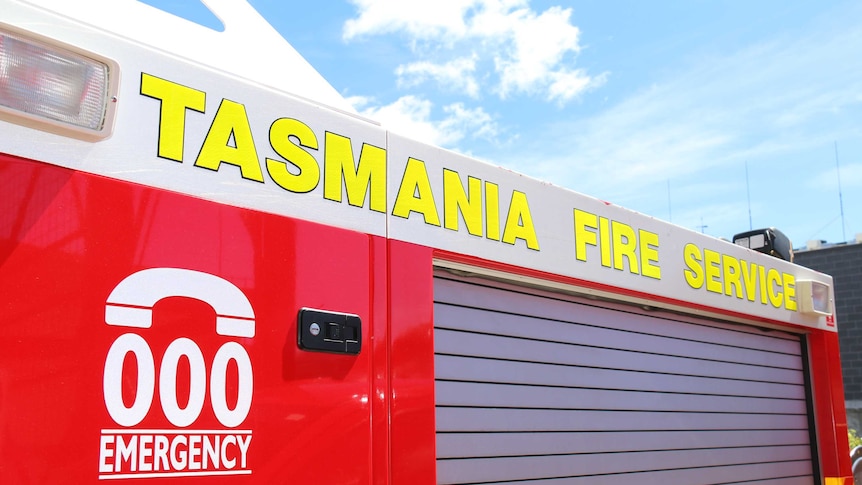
[(814, 297), (54, 88)]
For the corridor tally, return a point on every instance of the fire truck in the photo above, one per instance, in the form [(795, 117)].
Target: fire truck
[(212, 270)]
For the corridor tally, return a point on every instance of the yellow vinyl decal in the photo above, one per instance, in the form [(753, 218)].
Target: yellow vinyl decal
[(175, 100), (415, 194), (724, 274), (457, 200), (229, 141), (296, 167), (368, 176), (281, 135), (620, 246)]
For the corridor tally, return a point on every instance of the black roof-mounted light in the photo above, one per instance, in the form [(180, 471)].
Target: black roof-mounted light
[(768, 241)]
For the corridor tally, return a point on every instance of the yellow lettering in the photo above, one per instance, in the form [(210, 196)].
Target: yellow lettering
[(749, 275), (732, 276), (281, 136), (519, 222), (712, 260), (694, 274), (605, 241), (175, 100), (414, 194), (492, 211), (789, 291), (230, 125), (369, 177), (624, 246), (456, 200), (618, 243), (725, 274), (583, 236), (774, 282), (649, 254)]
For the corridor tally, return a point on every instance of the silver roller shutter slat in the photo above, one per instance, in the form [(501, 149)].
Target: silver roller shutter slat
[(537, 388)]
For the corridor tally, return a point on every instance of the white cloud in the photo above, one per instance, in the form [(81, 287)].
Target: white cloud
[(422, 20), (537, 45), (456, 75), (462, 120), (768, 100), (565, 86), (411, 116), (776, 106), (521, 51)]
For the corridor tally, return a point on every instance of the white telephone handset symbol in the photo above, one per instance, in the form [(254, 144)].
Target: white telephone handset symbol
[(130, 304)]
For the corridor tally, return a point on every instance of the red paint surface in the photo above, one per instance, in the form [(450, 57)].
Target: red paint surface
[(411, 291), (829, 412), (68, 238)]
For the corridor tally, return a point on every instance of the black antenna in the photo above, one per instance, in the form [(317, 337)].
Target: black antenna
[(748, 192), (702, 226), (840, 198)]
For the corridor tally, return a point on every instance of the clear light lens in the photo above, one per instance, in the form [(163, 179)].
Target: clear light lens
[(820, 298), (52, 83), (757, 241), (814, 297)]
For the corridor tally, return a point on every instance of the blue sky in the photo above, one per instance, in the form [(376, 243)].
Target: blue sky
[(661, 107)]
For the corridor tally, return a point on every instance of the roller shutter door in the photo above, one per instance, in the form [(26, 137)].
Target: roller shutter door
[(539, 388)]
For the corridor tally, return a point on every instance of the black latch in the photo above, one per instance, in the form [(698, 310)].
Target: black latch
[(329, 331)]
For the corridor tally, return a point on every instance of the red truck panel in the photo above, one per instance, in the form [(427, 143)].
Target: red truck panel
[(67, 239)]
